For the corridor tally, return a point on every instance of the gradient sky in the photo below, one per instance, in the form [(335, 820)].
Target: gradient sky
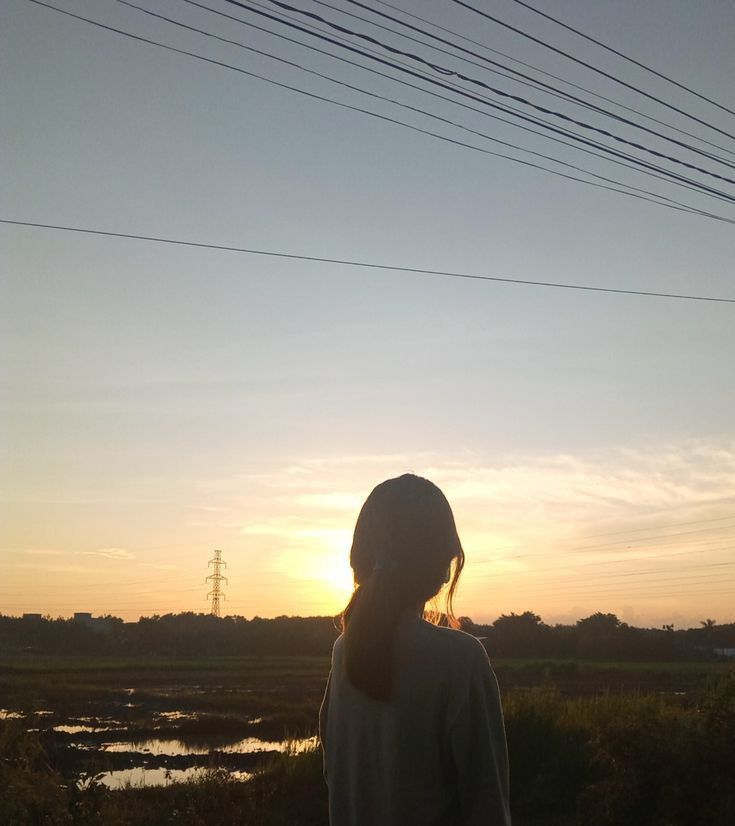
[(159, 402)]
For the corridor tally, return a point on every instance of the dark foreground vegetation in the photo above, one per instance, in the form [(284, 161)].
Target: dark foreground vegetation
[(615, 744)]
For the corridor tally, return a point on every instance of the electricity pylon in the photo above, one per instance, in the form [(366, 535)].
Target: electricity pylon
[(216, 578)]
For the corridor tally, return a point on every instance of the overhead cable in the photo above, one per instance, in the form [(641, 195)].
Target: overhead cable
[(507, 56), (611, 155), (603, 562), (590, 66), (443, 70), (528, 80), (471, 96), (368, 265), (655, 528), (388, 119), (624, 56), (671, 179)]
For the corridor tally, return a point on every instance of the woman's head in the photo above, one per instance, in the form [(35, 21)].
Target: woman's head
[(406, 533), (404, 548)]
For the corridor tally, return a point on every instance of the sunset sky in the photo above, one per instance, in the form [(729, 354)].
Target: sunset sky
[(158, 402)]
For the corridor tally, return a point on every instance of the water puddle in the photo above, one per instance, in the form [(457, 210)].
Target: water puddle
[(141, 776), (6, 714)]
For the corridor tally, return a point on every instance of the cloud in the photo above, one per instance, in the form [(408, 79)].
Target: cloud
[(509, 506), (162, 567), (560, 487), (106, 553), (338, 501), (110, 553)]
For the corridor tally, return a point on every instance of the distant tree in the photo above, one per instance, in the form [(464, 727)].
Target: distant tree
[(602, 636), (709, 630), (600, 622), (520, 635)]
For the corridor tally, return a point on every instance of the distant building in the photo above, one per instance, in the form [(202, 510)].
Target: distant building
[(32, 616), (86, 619), (725, 652)]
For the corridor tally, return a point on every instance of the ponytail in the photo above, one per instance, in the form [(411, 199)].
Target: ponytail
[(369, 623)]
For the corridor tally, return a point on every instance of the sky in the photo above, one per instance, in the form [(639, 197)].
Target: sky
[(159, 401)]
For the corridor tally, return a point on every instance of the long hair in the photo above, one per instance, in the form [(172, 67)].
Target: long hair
[(405, 542)]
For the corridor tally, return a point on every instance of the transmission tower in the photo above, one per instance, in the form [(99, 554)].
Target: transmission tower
[(216, 579)]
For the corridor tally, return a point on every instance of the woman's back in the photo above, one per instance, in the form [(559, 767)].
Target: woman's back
[(435, 753)]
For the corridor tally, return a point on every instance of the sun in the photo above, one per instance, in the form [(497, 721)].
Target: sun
[(334, 566)]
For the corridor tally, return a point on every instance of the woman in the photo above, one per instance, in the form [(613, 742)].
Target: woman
[(411, 723)]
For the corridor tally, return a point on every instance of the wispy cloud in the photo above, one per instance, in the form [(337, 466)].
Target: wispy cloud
[(110, 553), (622, 483), (105, 553)]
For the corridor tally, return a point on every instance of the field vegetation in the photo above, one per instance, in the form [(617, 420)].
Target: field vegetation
[(608, 743)]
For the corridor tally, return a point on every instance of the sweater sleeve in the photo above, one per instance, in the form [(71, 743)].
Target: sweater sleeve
[(478, 747)]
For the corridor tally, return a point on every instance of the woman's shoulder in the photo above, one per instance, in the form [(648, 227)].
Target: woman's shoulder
[(447, 643), (453, 642)]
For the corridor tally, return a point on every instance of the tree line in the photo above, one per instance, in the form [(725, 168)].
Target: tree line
[(597, 637)]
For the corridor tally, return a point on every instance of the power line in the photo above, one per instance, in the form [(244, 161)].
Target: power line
[(626, 595), (604, 562), (688, 581), (676, 179), (624, 56), (703, 544), (537, 85), (612, 155), (656, 528), (590, 66), (653, 538), (475, 81), (523, 576), (635, 543), (365, 264), (484, 100), (397, 122), (521, 63)]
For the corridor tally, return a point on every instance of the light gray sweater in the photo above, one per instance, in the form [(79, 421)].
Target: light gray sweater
[(435, 754)]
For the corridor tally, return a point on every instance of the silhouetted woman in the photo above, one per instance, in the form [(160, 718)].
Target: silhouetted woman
[(411, 723)]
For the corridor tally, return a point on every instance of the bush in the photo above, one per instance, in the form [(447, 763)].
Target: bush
[(30, 791)]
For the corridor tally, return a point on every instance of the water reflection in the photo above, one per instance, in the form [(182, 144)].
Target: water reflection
[(68, 729), (177, 715), (141, 776), (247, 745)]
